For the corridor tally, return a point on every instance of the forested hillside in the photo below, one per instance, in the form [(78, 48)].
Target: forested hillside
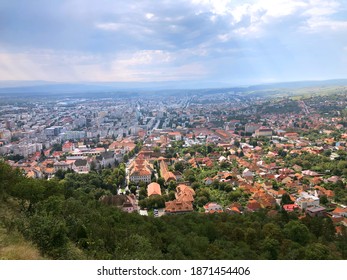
[(67, 221)]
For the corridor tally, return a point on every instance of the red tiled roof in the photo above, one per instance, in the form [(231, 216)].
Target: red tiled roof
[(153, 189), (253, 205), (235, 209), (184, 193), (175, 206), (339, 210), (290, 207)]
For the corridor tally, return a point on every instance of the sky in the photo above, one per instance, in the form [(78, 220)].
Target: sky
[(216, 41)]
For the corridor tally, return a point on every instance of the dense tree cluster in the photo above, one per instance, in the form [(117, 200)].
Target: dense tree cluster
[(66, 221)]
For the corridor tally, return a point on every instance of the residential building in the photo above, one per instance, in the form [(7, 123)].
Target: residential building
[(140, 170), (251, 127), (213, 207), (153, 189), (315, 211), (306, 200), (263, 131), (183, 202), (165, 173), (81, 166)]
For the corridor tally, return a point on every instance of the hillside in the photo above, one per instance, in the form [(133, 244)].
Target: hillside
[(13, 245), (68, 222)]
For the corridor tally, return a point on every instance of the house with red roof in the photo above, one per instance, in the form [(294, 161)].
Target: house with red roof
[(253, 205), (140, 170), (176, 207), (166, 173), (153, 189), (290, 207), (183, 202), (213, 207), (68, 147), (339, 211)]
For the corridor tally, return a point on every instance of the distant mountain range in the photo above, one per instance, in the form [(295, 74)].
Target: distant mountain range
[(25, 88)]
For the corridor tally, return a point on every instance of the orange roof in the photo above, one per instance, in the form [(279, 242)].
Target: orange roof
[(339, 210), (174, 133), (235, 209), (281, 191), (31, 174), (184, 193), (49, 170), (214, 211), (329, 193), (57, 153), (175, 206), (169, 176), (291, 134), (253, 205), (141, 172), (153, 189), (67, 145)]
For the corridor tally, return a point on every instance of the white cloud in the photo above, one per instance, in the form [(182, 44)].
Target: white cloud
[(217, 7), (136, 40), (112, 26), (320, 19), (318, 8), (254, 31), (262, 13), (144, 65), (253, 18), (248, 18), (146, 57), (149, 16), (224, 37), (280, 8), (35, 66), (240, 9), (322, 24)]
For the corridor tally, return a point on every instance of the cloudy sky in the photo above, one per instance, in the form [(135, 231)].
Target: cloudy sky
[(223, 42)]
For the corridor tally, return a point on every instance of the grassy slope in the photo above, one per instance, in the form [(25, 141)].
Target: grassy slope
[(13, 246)]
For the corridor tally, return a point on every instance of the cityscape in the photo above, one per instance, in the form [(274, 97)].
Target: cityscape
[(174, 130), (280, 152)]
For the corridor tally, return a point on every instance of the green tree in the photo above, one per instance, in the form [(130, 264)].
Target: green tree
[(179, 166), (251, 236), (316, 252), (298, 232), (286, 199), (50, 234), (8, 178), (273, 231), (126, 158), (271, 247), (323, 199), (161, 181), (29, 191)]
